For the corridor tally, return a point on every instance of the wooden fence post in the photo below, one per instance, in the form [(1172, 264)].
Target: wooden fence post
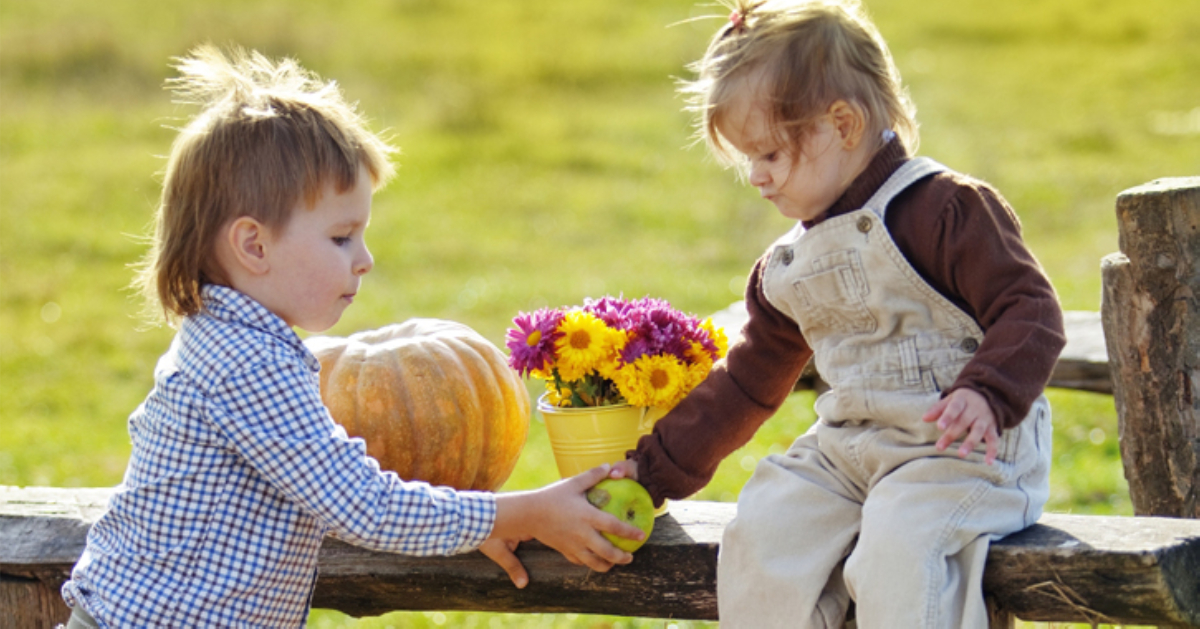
[(1150, 309)]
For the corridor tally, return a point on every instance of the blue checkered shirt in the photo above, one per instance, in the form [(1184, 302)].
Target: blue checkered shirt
[(237, 473)]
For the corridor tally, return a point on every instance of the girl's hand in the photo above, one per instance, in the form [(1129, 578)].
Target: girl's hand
[(560, 517), (965, 412), (624, 469)]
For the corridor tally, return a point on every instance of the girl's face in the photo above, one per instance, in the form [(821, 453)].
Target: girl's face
[(318, 259), (803, 184)]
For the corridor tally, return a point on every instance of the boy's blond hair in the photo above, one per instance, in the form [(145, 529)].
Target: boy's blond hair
[(268, 135), (806, 54)]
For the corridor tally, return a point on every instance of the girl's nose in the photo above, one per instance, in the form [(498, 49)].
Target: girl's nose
[(759, 175)]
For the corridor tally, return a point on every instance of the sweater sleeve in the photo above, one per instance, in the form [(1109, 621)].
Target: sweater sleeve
[(721, 414), (271, 414), (972, 252)]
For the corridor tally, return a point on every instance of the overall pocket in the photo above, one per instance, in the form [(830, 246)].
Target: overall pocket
[(833, 298)]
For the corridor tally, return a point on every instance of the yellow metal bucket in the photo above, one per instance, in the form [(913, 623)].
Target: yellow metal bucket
[(583, 438)]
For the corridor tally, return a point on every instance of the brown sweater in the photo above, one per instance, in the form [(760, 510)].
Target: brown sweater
[(963, 239)]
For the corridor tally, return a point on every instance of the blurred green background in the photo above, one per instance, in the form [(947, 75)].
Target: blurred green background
[(545, 159)]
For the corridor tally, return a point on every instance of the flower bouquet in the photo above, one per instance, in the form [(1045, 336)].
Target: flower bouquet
[(613, 351), (612, 368)]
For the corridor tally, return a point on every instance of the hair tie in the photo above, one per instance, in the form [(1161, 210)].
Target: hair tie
[(737, 20)]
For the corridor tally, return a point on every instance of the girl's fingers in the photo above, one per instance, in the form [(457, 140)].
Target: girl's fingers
[(624, 469), (980, 431), (953, 415), (951, 431), (935, 411), (973, 437), (993, 446)]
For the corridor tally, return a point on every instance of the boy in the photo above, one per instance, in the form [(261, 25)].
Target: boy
[(237, 471)]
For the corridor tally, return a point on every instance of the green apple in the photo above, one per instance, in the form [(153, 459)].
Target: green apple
[(630, 502)]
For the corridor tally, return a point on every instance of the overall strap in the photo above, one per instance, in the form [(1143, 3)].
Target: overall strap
[(911, 172)]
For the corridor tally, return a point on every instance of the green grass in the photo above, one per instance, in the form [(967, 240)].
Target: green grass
[(545, 159)]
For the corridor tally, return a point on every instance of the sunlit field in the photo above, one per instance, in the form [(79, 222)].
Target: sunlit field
[(545, 158)]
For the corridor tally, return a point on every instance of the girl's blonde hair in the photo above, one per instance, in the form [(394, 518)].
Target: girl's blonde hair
[(807, 54), (269, 134)]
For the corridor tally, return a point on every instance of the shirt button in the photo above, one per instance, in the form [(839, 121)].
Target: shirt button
[(786, 257), (864, 225), (969, 345)]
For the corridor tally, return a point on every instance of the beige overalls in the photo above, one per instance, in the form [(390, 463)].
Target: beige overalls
[(863, 506)]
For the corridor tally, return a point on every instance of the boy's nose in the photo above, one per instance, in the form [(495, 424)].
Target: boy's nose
[(364, 263)]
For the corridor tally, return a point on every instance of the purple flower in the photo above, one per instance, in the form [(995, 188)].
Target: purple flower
[(657, 329), (613, 311), (634, 349), (531, 342)]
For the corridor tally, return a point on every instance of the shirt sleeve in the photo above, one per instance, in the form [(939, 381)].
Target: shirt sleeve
[(272, 414), (971, 251), (722, 413)]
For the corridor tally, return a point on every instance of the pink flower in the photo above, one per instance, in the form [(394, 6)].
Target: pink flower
[(531, 342)]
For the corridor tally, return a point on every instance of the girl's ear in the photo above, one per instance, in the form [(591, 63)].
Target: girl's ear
[(850, 122), (247, 239)]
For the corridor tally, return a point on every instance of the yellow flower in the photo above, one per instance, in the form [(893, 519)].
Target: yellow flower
[(699, 364), (586, 343), (653, 381), (554, 396), (717, 335)]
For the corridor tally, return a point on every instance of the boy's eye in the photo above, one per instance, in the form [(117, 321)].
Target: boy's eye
[(772, 156), (341, 241)]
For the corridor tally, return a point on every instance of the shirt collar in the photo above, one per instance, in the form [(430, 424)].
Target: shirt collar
[(882, 165), (231, 306)]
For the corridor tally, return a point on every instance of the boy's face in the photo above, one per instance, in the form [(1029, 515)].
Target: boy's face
[(802, 184), (319, 257)]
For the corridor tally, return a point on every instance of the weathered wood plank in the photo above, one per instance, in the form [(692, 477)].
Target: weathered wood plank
[(42, 533), (673, 576), (1065, 568), (1151, 313), (1092, 569), (29, 603), (1083, 364)]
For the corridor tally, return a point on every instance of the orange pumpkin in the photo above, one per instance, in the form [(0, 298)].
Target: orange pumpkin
[(433, 399)]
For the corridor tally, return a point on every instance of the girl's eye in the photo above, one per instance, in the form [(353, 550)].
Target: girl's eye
[(772, 156), (341, 241)]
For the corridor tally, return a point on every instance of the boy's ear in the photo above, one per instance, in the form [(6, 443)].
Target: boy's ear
[(247, 239), (850, 122)]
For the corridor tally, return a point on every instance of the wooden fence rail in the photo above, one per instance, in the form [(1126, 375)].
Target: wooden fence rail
[(1092, 569)]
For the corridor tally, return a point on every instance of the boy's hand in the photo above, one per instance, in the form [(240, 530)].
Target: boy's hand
[(965, 412), (502, 551), (560, 517)]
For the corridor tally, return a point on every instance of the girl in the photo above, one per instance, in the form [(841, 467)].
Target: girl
[(911, 288), (238, 471)]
